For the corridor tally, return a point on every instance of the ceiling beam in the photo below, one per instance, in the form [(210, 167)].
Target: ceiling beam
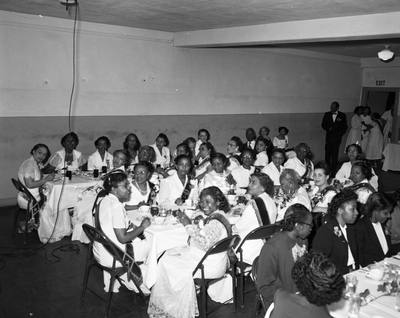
[(363, 27)]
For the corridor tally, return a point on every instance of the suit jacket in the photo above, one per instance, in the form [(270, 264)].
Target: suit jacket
[(369, 248), (334, 129), (335, 247)]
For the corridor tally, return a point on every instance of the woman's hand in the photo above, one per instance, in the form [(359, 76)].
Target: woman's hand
[(142, 203), (50, 177), (183, 218), (179, 201), (145, 223)]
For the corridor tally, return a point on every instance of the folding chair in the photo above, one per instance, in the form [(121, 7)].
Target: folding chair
[(262, 232), (98, 236), (30, 211), (220, 247), (259, 297)]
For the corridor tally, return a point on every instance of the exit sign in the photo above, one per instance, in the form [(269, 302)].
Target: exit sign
[(380, 83)]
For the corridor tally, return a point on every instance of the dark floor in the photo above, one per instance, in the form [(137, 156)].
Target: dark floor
[(39, 286)]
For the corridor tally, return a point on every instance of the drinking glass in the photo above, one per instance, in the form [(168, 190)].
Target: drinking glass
[(354, 306), (351, 285), (397, 305)]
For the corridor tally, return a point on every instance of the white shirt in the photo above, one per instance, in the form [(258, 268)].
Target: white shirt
[(272, 171), (242, 176), (344, 172), (350, 260), (381, 236), (262, 159), (95, 161), (163, 158)]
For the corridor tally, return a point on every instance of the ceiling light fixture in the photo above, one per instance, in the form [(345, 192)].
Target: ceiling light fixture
[(386, 54), (69, 3)]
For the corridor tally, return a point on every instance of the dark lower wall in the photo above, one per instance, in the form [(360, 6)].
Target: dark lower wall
[(20, 134)]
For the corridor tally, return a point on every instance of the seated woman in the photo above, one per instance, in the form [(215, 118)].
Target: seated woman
[(337, 237), (218, 177), (30, 175), (321, 195), (147, 153), (291, 193), (101, 158), (259, 211), (373, 239), (163, 155), (179, 188), (202, 136), (235, 146), (181, 149), (319, 282), (67, 158), (301, 164), (174, 293), (242, 174), (115, 224), (281, 251), (282, 141), (143, 192), (354, 153), (121, 160), (261, 149), (204, 165), (264, 132), (361, 173), (191, 142), (275, 168), (132, 145)]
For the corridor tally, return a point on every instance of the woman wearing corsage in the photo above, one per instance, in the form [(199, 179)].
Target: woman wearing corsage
[(174, 294), (337, 238)]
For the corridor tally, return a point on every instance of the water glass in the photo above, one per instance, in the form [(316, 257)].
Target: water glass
[(351, 285), (397, 305), (354, 306)]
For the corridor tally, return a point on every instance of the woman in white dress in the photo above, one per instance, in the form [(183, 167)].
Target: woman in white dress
[(387, 129), (366, 121), (354, 136), (174, 293), (261, 149), (282, 141), (202, 136), (67, 158), (242, 174), (30, 174), (163, 154), (218, 177), (301, 164), (259, 211), (101, 157), (361, 173), (275, 168), (374, 148), (235, 146), (204, 164), (179, 188), (354, 153), (132, 145)]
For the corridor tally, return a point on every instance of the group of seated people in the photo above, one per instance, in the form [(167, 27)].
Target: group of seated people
[(341, 217)]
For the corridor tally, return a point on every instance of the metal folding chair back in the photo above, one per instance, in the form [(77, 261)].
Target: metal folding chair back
[(223, 246), (259, 297), (263, 232)]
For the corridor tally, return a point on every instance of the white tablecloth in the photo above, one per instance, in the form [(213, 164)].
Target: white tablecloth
[(161, 238), (392, 157), (382, 307)]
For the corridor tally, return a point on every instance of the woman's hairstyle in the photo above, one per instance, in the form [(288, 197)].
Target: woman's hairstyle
[(189, 140), (358, 108), (359, 149), (209, 146), (284, 128), (296, 213), (96, 143), (280, 150), (37, 146), (252, 152), (264, 140), (137, 146), (339, 199), (238, 142), (264, 127), (318, 279), (394, 195), (222, 157), (126, 154), (150, 150), (187, 148), (71, 134), (181, 157), (365, 168), (217, 195), (205, 131), (147, 165), (376, 115), (164, 136), (112, 180), (265, 182), (323, 166), (303, 144), (290, 176), (377, 202)]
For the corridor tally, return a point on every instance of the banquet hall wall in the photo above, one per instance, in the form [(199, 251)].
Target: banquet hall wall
[(134, 80)]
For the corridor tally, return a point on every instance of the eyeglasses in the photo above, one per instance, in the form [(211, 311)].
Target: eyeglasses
[(231, 145), (140, 173), (247, 157), (309, 224)]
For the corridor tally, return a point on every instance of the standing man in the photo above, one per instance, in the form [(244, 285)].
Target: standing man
[(335, 125)]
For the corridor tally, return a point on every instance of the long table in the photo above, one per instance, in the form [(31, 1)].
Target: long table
[(392, 157), (382, 307)]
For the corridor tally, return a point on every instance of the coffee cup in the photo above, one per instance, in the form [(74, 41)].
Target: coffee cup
[(158, 220), (375, 273), (144, 208)]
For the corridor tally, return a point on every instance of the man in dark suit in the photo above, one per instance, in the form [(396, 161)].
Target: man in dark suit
[(335, 125)]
